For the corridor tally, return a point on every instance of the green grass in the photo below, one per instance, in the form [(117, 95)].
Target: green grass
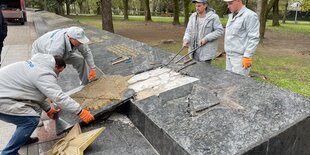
[(290, 26), (292, 73)]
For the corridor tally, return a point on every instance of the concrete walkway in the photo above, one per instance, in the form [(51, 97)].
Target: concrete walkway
[(17, 47)]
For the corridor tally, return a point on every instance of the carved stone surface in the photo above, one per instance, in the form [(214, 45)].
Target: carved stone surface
[(100, 96)]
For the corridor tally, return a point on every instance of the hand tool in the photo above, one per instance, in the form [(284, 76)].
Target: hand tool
[(192, 63), (120, 60), (117, 58), (175, 56), (192, 51)]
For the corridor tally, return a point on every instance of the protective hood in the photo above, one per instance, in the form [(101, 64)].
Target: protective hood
[(44, 60)]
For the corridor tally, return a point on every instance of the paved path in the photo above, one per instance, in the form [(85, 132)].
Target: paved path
[(17, 47)]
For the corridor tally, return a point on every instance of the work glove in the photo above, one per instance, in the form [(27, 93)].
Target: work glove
[(92, 74), (51, 113), (86, 116), (246, 62)]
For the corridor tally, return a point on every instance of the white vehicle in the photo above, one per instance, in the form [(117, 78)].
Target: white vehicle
[(14, 10)]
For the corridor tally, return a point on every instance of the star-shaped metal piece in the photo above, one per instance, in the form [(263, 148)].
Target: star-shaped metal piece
[(75, 142)]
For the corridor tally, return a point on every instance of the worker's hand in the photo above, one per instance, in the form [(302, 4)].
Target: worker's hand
[(185, 44), (246, 62), (51, 113), (49, 100), (92, 74), (86, 116), (202, 42)]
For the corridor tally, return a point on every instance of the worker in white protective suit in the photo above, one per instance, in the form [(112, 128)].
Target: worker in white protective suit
[(241, 37), (24, 87), (65, 42)]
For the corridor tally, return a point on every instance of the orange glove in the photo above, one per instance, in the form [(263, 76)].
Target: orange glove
[(52, 112), (92, 74), (86, 116), (246, 62)]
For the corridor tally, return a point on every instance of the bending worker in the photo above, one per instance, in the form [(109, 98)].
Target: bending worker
[(65, 42), (24, 87), (203, 29), (241, 37)]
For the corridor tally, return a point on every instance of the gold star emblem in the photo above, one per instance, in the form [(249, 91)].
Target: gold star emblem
[(75, 142)]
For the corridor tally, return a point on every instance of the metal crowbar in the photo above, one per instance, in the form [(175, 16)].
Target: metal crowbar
[(192, 51), (175, 56)]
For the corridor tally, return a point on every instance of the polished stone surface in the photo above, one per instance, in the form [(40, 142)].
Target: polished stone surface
[(119, 137), (221, 113)]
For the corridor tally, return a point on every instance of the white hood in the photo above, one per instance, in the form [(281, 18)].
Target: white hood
[(45, 60)]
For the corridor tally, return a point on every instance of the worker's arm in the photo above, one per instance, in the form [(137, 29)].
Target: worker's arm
[(87, 54), (218, 29), (47, 84)]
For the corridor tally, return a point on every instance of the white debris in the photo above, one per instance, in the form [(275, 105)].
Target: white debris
[(157, 81)]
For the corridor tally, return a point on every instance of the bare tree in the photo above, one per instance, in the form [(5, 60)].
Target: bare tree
[(263, 8), (285, 11), (176, 11), (125, 2), (107, 22), (99, 11), (147, 10), (261, 12), (275, 14), (186, 11), (68, 3), (59, 9)]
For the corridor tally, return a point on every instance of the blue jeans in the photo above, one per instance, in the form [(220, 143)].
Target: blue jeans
[(25, 125)]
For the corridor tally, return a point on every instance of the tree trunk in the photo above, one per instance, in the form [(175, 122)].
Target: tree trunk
[(186, 11), (59, 9), (68, 7), (107, 23), (42, 5), (285, 12), (80, 4), (98, 7), (87, 7), (176, 11), (142, 8), (125, 2), (147, 11), (261, 12), (275, 14)]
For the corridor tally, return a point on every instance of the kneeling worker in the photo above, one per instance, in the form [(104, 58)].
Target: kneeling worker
[(24, 87)]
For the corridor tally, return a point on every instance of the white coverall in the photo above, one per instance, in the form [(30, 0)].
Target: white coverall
[(25, 85), (57, 43), (241, 39)]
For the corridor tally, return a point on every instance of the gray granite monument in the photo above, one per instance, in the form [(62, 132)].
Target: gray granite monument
[(219, 113)]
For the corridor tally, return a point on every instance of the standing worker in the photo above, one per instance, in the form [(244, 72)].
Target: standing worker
[(3, 32), (65, 42), (241, 37), (203, 29), (24, 87)]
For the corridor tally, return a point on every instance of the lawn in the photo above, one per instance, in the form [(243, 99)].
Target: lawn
[(289, 70)]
